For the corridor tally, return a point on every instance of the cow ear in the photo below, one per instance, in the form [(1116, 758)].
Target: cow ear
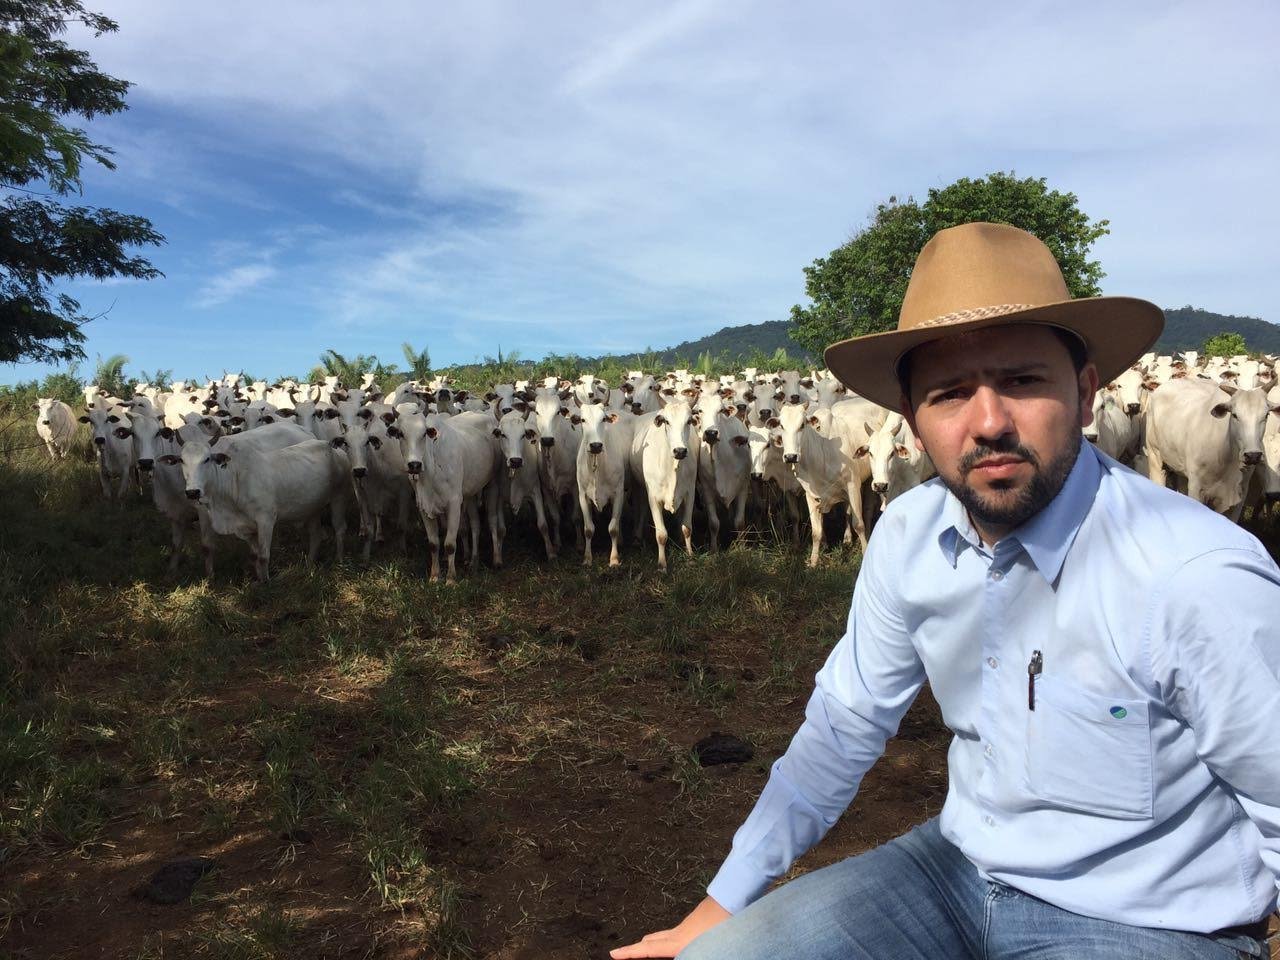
[(363, 413), (124, 433), (806, 383), (169, 460), (338, 442), (389, 417), (394, 431), (612, 418), (83, 419), (328, 414), (166, 433), (1224, 386), (497, 433), (749, 396), (221, 459), (660, 420), (531, 434), (432, 432), (862, 451), (1220, 410), (1149, 384), (813, 420), (375, 442), (575, 419), (773, 423), (740, 441), (286, 411), (113, 418), (903, 452)]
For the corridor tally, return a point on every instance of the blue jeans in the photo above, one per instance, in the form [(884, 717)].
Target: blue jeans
[(918, 898)]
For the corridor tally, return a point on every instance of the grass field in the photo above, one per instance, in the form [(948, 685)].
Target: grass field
[(380, 766)]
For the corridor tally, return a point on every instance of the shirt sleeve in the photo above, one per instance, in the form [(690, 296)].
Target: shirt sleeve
[(868, 682), (1215, 652)]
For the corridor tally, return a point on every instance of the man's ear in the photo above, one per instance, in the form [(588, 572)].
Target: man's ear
[(909, 415), (1088, 384)]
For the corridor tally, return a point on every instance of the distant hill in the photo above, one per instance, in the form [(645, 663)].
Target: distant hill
[(734, 342), (1187, 328)]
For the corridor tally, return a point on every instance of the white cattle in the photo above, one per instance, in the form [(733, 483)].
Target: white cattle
[(55, 425), (152, 443), (830, 463), (249, 487), (1211, 435), (558, 442), (450, 463), (664, 461), (896, 464), (517, 437), (1113, 431), (770, 472), (379, 477), (111, 440), (590, 389), (724, 463), (602, 466)]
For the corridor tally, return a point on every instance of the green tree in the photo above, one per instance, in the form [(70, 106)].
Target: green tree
[(419, 362), (109, 375), (1225, 344), (858, 288), (43, 241), (348, 371)]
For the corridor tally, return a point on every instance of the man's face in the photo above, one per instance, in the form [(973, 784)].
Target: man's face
[(999, 411)]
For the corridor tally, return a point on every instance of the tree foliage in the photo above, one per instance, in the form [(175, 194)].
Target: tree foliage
[(349, 371), (1225, 344), (43, 241), (418, 363), (858, 288)]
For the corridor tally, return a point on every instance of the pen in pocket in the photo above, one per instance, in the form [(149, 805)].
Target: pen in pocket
[(1033, 670)]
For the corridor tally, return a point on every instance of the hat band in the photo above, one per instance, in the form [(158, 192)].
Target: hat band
[(977, 313)]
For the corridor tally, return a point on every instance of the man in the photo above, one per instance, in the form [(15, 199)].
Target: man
[(1104, 650)]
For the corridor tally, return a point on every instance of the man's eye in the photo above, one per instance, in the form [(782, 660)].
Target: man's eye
[(1025, 380), (955, 394)]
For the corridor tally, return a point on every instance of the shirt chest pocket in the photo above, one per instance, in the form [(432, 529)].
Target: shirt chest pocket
[(1089, 753)]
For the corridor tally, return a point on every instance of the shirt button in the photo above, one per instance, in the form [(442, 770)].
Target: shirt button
[(992, 662), (989, 820), (996, 575)]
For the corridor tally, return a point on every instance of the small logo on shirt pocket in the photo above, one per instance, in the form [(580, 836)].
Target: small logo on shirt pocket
[(1119, 712)]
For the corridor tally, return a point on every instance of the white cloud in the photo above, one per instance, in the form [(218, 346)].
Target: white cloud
[(232, 283)]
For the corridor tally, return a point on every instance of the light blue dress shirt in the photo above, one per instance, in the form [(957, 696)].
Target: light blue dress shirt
[(1144, 787)]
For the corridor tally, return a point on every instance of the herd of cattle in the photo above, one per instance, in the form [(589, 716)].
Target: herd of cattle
[(235, 458)]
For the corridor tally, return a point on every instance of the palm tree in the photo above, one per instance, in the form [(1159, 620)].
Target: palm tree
[(109, 374), (419, 364)]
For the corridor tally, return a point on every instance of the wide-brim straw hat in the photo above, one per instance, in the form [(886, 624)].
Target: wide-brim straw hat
[(981, 275)]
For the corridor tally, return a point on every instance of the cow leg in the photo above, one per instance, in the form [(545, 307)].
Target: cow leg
[(453, 517), (588, 528), (206, 544), (433, 544), (177, 534), (857, 515), (402, 519), (338, 518), (497, 525), (739, 513), (615, 524), (713, 518), (686, 522), (53, 451), (540, 514), (815, 521), (314, 535), (473, 521), (262, 553), (551, 507), (659, 530), (1155, 467)]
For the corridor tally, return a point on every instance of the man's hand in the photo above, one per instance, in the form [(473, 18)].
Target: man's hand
[(667, 943)]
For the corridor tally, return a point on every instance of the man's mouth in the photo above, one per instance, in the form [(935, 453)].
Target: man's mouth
[(997, 468)]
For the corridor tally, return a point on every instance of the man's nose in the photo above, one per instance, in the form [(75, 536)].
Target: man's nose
[(991, 419)]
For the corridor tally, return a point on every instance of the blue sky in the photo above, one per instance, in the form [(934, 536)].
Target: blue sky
[(592, 177)]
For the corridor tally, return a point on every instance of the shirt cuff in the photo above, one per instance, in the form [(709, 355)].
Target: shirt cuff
[(738, 883)]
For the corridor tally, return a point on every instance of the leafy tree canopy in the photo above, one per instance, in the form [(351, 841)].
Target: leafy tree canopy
[(858, 288), (43, 81), (1225, 344)]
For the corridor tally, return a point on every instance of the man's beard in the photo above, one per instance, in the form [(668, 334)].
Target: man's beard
[(1046, 480)]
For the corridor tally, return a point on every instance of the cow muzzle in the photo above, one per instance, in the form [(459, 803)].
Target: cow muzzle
[(359, 472), (795, 398), (1253, 459), (547, 441), (44, 423), (791, 457), (100, 441), (680, 452), (414, 467), (596, 447), (515, 463), (757, 476), (711, 436), (193, 494), (1131, 409), (146, 465), (879, 487)]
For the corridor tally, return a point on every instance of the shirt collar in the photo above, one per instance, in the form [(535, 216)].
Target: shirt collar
[(1048, 535)]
